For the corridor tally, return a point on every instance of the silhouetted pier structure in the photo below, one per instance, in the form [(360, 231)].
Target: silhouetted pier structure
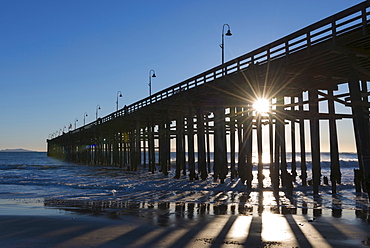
[(213, 111)]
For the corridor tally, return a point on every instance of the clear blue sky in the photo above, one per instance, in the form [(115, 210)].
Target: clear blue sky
[(59, 59)]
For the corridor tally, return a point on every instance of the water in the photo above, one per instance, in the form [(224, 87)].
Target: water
[(32, 183)]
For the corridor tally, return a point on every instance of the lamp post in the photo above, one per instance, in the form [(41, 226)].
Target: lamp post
[(97, 109), (85, 115), (151, 74), (76, 120), (119, 94), (228, 33)]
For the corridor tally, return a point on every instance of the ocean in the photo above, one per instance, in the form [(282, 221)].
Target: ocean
[(32, 183)]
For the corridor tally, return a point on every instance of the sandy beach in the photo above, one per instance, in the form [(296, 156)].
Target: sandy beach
[(161, 227)]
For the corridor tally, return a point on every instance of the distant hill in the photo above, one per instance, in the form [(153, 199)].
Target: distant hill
[(16, 150)]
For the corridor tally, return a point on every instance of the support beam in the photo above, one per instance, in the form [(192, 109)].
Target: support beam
[(144, 140), (191, 153), (208, 143), (248, 135), (302, 141), (151, 146), (335, 175), (241, 117), (180, 153), (201, 145), (220, 151), (293, 143), (271, 143), (260, 175), (163, 139), (232, 143), (315, 141)]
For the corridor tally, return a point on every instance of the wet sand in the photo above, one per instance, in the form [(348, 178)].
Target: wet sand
[(160, 227), (191, 214)]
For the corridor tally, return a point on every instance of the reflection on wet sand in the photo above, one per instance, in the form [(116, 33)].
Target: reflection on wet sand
[(248, 219), (166, 213), (336, 207)]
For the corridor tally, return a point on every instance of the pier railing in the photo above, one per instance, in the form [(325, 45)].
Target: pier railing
[(352, 19)]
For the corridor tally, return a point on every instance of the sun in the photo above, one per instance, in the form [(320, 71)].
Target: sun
[(261, 105)]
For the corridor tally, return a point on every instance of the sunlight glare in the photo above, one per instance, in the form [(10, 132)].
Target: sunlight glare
[(275, 228), (240, 227), (261, 105)]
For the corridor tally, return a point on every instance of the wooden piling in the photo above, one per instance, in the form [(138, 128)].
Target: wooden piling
[(144, 141), (208, 143), (260, 175), (201, 145), (151, 146), (163, 137), (241, 117), (220, 151), (249, 146), (168, 142), (335, 175), (278, 136), (180, 153), (191, 153), (315, 140), (302, 141), (292, 140), (271, 145), (232, 143), (217, 145)]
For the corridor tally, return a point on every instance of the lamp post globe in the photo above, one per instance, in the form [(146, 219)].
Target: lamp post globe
[(97, 109), (119, 94), (151, 74)]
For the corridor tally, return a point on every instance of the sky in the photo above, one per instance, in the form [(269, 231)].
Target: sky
[(60, 59)]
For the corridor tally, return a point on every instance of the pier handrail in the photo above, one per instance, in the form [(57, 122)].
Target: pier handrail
[(354, 18)]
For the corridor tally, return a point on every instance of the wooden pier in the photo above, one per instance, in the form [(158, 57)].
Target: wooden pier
[(213, 113)]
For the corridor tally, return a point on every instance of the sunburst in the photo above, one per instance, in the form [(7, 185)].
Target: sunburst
[(262, 105)]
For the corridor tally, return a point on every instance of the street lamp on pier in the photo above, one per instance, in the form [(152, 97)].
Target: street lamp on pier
[(228, 33), (76, 120), (151, 74), (97, 109), (119, 94), (85, 115)]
